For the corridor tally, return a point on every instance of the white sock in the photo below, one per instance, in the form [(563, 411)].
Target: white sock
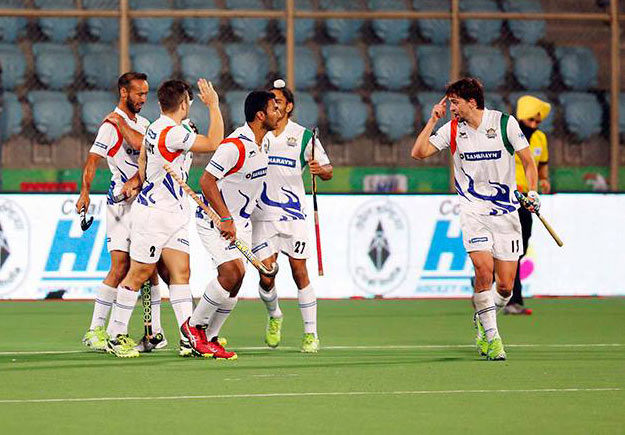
[(156, 309), (220, 316), (308, 306), (181, 301), (270, 298), (122, 310), (500, 301), (211, 300), (485, 308), (103, 303)]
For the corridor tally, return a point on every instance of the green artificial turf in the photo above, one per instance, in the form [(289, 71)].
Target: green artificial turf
[(385, 367)]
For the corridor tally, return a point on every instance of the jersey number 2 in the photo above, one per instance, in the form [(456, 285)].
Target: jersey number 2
[(152, 250)]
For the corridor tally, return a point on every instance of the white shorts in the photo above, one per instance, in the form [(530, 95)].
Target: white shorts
[(154, 229), (220, 249), (118, 222), (500, 235), (289, 237)]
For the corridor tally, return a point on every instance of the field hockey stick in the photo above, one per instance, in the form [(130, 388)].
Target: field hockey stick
[(214, 217), (149, 339), (525, 203), (84, 223), (315, 208)]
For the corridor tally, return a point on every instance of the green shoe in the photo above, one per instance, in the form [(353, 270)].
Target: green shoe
[(95, 339), (185, 349), (310, 343), (272, 332), (496, 351), (480, 339), (122, 347)]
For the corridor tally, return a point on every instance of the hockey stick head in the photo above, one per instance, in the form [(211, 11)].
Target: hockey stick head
[(84, 223), (269, 272)]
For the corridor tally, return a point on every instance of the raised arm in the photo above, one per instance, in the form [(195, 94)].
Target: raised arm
[(422, 147), (210, 142)]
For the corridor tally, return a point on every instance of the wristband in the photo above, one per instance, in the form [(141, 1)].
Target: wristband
[(224, 219)]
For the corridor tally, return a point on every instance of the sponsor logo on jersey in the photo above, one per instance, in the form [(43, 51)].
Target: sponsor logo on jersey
[(151, 134), (257, 173), (281, 161), (462, 135), (478, 239), (481, 155), (491, 133), (379, 251), (14, 246), (291, 141)]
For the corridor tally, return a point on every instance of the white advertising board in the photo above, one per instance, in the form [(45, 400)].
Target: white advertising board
[(395, 246)]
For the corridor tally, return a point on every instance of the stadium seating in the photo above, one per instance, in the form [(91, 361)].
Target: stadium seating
[(343, 31), (526, 31), (152, 29), (347, 114), (389, 31), (306, 110), (582, 114), (13, 64), (394, 114), (151, 109), (547, 124), (304, 28), (532, 66), (482, 31), (52, 113), (100, 65), (94, 106), (433, 65), (427, 100), (578, 67), (57, 29), (249, 65), (248, 29), (154, 60), (199, 29), (12, 117), (103, 29), (485, 63), (236, 102), (344, 65), (55, 65), (436, 31), (306, 66), (493, 100), (11, 28), (392, 66), (199, 61)]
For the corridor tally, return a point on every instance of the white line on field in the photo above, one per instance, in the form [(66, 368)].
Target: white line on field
[(383, 347), (310, 394)]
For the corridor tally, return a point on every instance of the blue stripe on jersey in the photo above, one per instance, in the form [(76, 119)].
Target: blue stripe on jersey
[(281, 161), (257, 248), (244, 137), (168, 182), (292, 206), (217, 165), (101, 145), (501, 198), (124, 176), (142, 196), (242, 212), (131, 164)]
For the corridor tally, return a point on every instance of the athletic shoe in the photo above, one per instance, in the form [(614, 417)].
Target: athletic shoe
[(496, 351), (158, 341), (95, 339), (517, 309), (273, 331), (185, 349), (480, 339), (310, 343), (122, 347), (219, 352), (197, 339)]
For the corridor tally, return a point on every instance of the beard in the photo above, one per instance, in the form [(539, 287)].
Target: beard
[(527, 131), (133, 107)]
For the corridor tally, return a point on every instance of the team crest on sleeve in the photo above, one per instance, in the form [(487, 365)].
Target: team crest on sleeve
[(291, 141), (491, 133)]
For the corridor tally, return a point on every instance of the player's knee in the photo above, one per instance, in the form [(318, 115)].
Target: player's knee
[(231, 277), (505, 288), (267, 283), (483, 271)]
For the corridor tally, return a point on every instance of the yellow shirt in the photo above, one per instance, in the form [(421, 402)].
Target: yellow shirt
[(538, 148)]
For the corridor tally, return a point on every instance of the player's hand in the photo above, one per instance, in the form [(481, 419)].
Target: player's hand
[(114, 117), (83, 202), (315, 167), (533, 201), (545, 186), (131, 188), (227, 230), (207, 94), (439, 110)]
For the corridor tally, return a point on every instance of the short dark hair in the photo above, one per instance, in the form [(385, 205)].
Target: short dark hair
[(288, 95), (171, 93), (125, 79), (467, 88), (255, 102)]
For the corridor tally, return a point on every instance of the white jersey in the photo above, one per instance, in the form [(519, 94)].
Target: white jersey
[(120, 156), (166, 142), (484, 161), (239, 166), (283, 196)]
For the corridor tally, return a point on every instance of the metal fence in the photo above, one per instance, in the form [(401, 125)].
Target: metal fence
[(366, 71)]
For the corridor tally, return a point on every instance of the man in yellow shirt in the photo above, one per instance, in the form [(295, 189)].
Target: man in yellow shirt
[(530, 111)]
